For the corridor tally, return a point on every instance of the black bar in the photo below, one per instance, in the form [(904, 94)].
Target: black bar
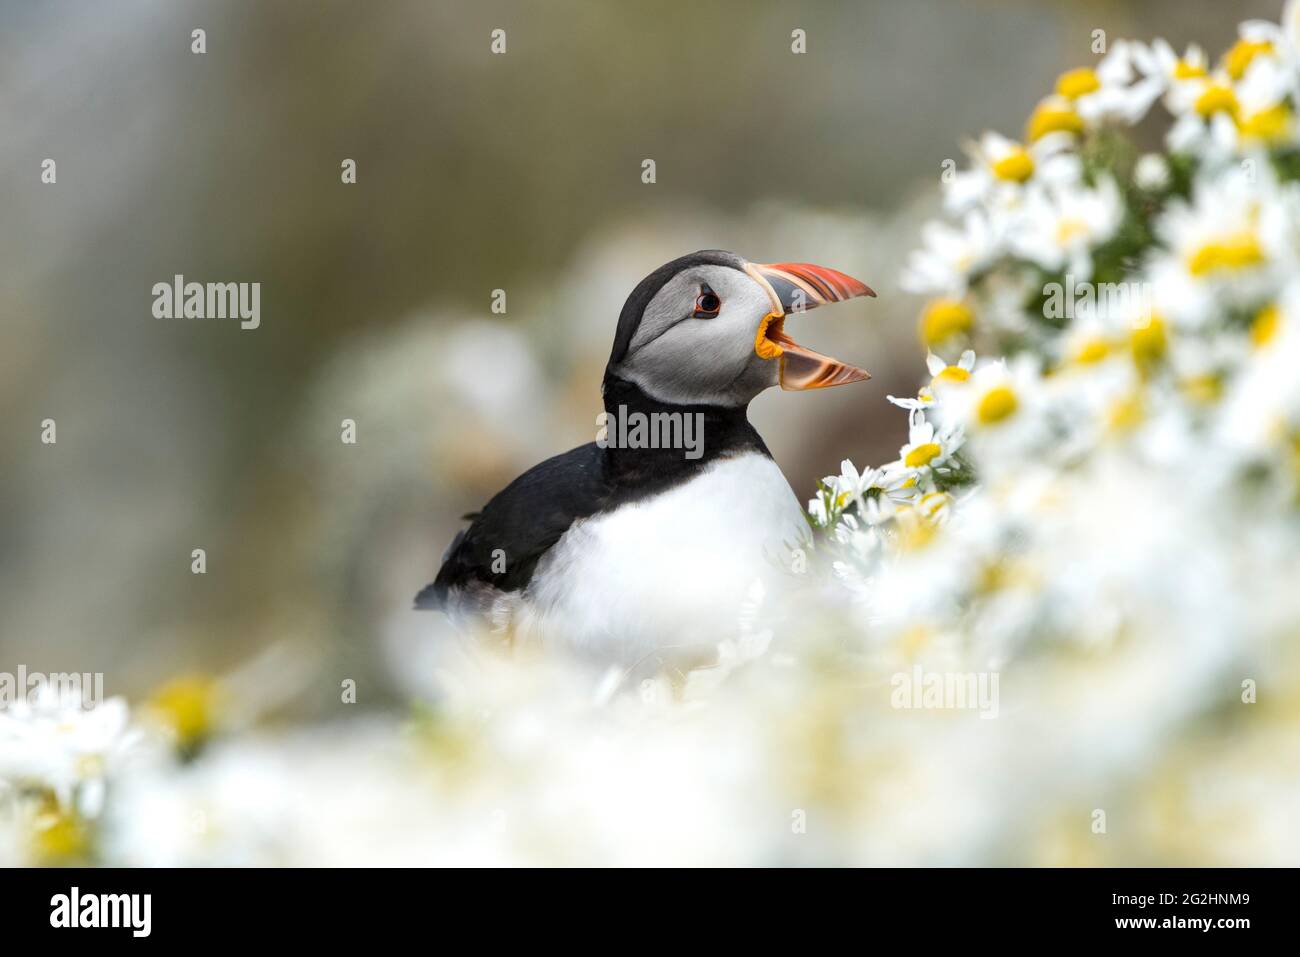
[(335, 907)]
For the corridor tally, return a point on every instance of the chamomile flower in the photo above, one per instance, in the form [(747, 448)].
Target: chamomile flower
[(993, 400), (1001, 168), (1168, 69), (928, 448), (950, 255), (1270, 324), (895, 487), (943, 377), (1262, 402), (1229, 246), (1256, 40), (1001, 412), (1053, 114), (56, 745), (1088, 341), (944, 321), (873, 494), (922, 400), (942, 374), (850, 484), (1113, 90), (1097, 400), (1208, 109), (1059, 228), (1151, 173), (1201, 368), (1265, 116)]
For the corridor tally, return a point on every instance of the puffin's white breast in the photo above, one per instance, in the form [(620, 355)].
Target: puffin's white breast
[(672, 570)]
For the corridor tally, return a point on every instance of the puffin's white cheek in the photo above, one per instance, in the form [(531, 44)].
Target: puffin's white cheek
[(723, 351)]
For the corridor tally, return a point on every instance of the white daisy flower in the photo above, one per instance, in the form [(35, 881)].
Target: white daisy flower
[(1001, 412), (871, 490), (927, 448), (58, 746), (1232, 245), (1151, 172), (1256, 39), (941, 371), (1058, 228), (1001, 168), (1159, 63), (1113, 90), (950, 255), (1089, 340)]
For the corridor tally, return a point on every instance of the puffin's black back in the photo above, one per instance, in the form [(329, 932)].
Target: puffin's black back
[(530, 514), (524, 519)]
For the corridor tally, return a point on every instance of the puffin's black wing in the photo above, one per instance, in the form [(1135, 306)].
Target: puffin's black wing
[(523, 520)]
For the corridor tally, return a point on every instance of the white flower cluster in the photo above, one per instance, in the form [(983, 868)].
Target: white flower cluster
[(56, 758), (1146, 315), (1108, 513)]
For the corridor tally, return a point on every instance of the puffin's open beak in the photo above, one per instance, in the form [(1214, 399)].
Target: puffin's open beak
[(796, 288)]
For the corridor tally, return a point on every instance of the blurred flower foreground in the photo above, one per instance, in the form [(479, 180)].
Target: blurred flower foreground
[(1060, 628)]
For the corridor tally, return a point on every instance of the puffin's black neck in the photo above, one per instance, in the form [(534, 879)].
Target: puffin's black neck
[(674, 442)]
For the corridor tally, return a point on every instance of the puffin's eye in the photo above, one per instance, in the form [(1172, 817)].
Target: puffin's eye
[(707, 303)]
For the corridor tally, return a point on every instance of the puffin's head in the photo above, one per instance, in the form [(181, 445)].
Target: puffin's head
[(709, 328)]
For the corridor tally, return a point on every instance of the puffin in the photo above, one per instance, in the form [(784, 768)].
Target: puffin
[(646, 545)]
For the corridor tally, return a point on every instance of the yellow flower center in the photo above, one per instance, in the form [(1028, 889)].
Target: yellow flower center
[(1241, 54), (922, 455), (1187, 71), (1236, 252), (1076, 83), (1015, 167), (1125, 414), (996, 575), (1149, 342), (1092, 351), (1051, 118), (914, 640), (1270, 125), (952, 374), (933, 504), (1205, 388), (1265, 325), (59, 838), (996, 404), (1068, 230), (186, 704), (943, 319), (914, 531), (1216, 98), (89, 766)]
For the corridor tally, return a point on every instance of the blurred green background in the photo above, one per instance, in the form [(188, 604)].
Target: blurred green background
[(475, 172)]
